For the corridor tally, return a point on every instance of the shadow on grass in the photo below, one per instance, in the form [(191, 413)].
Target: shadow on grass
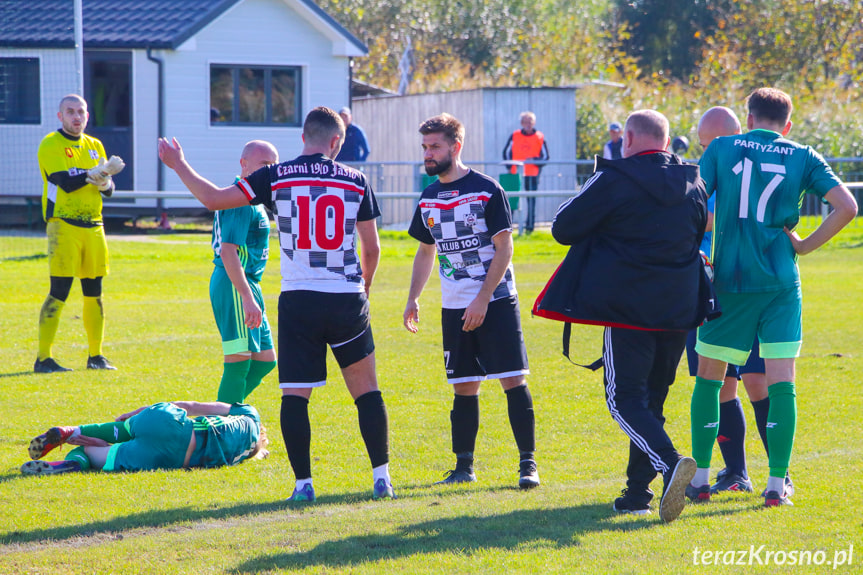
[(514, 531), (166, 517), (24, 258), (18, 373)]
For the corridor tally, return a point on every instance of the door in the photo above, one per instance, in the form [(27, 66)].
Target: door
[(108, 91)]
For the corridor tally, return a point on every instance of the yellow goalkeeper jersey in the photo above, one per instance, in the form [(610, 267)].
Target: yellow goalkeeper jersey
[(64, 161)]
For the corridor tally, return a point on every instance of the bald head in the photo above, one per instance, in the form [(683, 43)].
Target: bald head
[(716, 122), (644, 130), (257, 154)]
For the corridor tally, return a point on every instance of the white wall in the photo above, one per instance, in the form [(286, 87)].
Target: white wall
[(145, 123), (254, 32), (19, 166)]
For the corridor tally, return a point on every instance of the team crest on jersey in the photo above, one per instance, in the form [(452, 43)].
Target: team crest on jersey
[(470, 219), (447, 195), (68, 152), (430, 222), (94, 154)]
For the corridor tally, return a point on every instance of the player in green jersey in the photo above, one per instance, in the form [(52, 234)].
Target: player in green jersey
[(241, 246), (759, 179), (180, 434)]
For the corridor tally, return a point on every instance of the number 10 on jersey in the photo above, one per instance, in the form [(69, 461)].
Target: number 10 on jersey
[(324, 218)]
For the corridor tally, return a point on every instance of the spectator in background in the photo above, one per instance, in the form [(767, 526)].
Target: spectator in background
[(356, 146), (524, 145), (613, 148)]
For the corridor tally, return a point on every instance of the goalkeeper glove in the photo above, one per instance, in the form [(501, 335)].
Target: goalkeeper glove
[(110, 168), (100, 175), (105, 184)]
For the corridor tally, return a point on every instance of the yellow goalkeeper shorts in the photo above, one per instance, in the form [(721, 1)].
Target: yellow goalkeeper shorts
[(75, 251)]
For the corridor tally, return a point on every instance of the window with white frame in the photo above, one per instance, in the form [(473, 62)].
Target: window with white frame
[(255, 95)]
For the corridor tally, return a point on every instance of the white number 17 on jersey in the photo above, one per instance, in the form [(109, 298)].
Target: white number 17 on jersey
[(745, 166)]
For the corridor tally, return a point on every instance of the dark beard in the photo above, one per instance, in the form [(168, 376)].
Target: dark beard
[(438, 167)]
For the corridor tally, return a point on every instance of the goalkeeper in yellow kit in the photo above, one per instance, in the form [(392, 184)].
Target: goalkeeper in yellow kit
[(75, 176)]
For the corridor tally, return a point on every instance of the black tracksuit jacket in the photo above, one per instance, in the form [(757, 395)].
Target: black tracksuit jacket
[(634, 229)]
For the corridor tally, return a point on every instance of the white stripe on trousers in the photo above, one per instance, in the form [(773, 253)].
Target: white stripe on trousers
[(610, 387)]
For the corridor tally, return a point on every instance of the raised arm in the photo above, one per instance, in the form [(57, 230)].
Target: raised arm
[(213, 197)]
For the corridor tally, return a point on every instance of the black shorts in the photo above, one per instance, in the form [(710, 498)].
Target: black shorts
[(308, 322), (494, 350)]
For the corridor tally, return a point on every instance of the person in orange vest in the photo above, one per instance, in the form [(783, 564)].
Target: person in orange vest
[(525, 145)]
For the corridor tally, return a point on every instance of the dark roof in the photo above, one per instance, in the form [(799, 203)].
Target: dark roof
[(361, 89), (120, 23)]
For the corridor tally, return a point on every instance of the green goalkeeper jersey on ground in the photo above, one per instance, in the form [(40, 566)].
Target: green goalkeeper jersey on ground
[(226, 439), (759, 179), (249, 228)]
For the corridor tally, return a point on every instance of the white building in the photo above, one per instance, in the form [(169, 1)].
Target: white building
[(212, 73)]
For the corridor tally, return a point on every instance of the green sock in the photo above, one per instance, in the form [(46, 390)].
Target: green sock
[(78, 454), (258, 370), (232, 388), (704, 415), (781, 425), (112, 432)]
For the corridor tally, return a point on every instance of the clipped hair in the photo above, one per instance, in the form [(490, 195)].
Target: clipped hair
[(524, 115), (445, 124), (72, 98), (321, 124), (648, 123), (770, 105)]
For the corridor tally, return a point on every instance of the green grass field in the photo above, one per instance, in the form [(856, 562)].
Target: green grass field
[(161, 335)]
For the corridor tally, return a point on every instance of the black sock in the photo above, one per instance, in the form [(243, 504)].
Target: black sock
[(297, 433), (732, 432), (372, 414), (465, 423), (761, 408), (520, 406)]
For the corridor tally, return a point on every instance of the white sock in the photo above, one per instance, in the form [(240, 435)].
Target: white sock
[(381, 472), (303, 482), (75, 433), (702, 477), (776, 484)]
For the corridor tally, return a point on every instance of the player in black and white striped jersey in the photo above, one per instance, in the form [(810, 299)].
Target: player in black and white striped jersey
[(321, 207), (465, 218)]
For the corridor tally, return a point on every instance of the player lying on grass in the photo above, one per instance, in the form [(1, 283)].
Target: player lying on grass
[(159, 436)]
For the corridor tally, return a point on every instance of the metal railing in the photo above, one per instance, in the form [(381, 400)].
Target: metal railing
[(397, 186)]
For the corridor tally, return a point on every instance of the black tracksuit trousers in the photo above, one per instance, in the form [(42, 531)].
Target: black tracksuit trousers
[(639, 368)]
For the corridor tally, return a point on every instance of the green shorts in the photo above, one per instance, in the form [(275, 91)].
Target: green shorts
[(775, 317), (230, 318), (160, 439)]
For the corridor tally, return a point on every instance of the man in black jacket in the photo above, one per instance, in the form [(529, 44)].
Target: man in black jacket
[(634, 267)]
